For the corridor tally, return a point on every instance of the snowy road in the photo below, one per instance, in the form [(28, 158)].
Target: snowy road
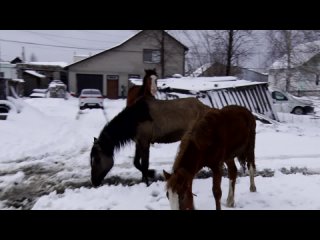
[(44, 164)]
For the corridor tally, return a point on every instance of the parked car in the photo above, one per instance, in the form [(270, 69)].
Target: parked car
[(39, 93), (90, 98), (286, 102)]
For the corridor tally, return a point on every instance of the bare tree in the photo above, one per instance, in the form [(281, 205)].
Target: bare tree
[(224, 47), (290, 48)]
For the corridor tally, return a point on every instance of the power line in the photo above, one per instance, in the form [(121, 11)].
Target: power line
[(54, 35), (50, 45)]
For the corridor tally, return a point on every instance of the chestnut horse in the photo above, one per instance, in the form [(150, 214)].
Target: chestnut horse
[(216, 138), (148, 88), (147, 121)]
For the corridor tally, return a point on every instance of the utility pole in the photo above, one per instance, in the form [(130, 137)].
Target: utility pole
[(23, 55), (162, 61)]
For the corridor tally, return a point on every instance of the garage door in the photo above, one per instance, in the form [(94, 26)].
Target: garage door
[(89, 81)]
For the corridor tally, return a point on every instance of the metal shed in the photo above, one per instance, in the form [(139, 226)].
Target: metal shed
[(218, 92)]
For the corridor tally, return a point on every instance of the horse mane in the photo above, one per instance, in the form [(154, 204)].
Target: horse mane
[(123, 127)]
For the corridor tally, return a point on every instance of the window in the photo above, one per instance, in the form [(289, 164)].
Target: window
[(134, 76), (2, 74), (151, 56), (279, 96)]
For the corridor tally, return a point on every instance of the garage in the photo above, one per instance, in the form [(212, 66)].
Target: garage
[(89, 81)]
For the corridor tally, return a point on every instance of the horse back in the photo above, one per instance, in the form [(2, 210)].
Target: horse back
[(172, 118), (225, 133)]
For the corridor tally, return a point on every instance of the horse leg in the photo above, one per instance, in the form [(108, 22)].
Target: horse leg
[(144, 152), (216, 188), (251, 173), (137, 156), (232, 174), (252, 168)]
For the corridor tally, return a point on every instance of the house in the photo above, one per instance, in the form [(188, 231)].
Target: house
[(110, 70), (218, 69), (214, 69), (304, 70), (10, 83), (40, 74), (255, 75)]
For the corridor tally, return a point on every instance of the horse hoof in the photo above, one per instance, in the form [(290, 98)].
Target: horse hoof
[(253, 189), (146, 181), (151, 173), (230, 204)]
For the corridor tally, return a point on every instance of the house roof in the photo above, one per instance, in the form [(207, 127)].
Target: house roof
[(60, 64), (300, 54), (120, 44), (34, 73)]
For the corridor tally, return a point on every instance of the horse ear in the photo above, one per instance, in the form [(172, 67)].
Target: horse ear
[(95, 140), (166, 175)]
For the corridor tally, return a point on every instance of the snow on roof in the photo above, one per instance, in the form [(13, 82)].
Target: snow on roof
[(61, 64), (17, 80), (203, 83), (200, 70), (199, 83), (300, 54), (34, 73)]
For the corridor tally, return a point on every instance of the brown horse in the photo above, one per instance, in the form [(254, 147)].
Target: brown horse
[(216, 138), (147, 121), (148, 88)]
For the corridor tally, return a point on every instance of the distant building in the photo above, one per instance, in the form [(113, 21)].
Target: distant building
[(40, 74), (9, 78), (218, 69), (111, 69), (304, 70)]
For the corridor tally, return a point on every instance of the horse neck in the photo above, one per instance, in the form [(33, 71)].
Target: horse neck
[(188, 158), (146, 87)]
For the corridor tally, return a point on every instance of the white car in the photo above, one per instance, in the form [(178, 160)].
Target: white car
[(285, 102), (90, 98)]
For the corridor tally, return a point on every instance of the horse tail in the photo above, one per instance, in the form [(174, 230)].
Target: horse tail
[(247, 158)]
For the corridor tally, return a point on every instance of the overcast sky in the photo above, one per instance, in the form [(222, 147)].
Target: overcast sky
[(62, 45)]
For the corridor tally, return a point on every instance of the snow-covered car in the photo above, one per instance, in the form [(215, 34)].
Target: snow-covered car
[(57, 89), (39, 93), (90, 98), (287, 103)]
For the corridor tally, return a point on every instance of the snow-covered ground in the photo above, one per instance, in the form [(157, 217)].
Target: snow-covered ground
[(44, 163)]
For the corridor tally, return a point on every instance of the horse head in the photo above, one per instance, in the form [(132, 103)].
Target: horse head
[(179, 191), (100, 163), (150, 80)]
